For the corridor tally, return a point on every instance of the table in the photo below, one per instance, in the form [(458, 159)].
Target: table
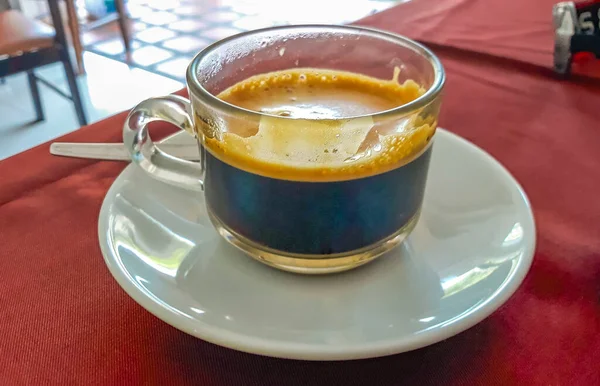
[(66, 321)]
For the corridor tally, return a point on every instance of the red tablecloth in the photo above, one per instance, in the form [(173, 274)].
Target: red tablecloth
[(64, 320)]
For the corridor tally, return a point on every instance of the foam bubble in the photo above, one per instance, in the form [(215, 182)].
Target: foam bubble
[(313, 146)]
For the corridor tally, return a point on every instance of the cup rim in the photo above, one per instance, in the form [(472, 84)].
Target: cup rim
[(196, 88)]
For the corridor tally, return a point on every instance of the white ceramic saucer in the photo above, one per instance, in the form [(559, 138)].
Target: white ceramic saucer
[(469, 252)]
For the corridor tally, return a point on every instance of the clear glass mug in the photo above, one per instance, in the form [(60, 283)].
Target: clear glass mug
[(319, 221)]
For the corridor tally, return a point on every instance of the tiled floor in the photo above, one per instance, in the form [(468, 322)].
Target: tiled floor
[(167, 33)]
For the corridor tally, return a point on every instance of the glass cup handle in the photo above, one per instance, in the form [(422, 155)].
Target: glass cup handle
[(158, 164)]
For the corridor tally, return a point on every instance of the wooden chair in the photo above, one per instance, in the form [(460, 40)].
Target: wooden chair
[(120, 16), (27, 44)]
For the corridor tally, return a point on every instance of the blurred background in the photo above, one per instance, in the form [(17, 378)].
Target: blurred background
[(124, 51)]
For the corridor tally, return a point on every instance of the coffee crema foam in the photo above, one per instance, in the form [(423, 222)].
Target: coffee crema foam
[(304, 135)]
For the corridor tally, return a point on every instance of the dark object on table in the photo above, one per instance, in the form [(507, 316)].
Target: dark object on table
[(26, 44), (577, 33)]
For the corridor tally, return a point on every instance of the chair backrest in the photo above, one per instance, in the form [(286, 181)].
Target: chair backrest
[(55, 15), (57, 21), (60, 36), (35, 44)]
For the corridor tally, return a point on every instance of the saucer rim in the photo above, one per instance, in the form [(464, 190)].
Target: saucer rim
[(300, 351)]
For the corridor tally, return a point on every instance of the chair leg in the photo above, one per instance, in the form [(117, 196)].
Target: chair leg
[(72, 81), (122, 13), (75, 35), (35, 95)]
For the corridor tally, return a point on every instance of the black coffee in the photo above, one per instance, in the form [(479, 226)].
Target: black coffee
[(315, 217), (297, 185)]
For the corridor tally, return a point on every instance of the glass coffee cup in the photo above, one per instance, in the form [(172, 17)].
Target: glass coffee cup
[(302, 190)]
